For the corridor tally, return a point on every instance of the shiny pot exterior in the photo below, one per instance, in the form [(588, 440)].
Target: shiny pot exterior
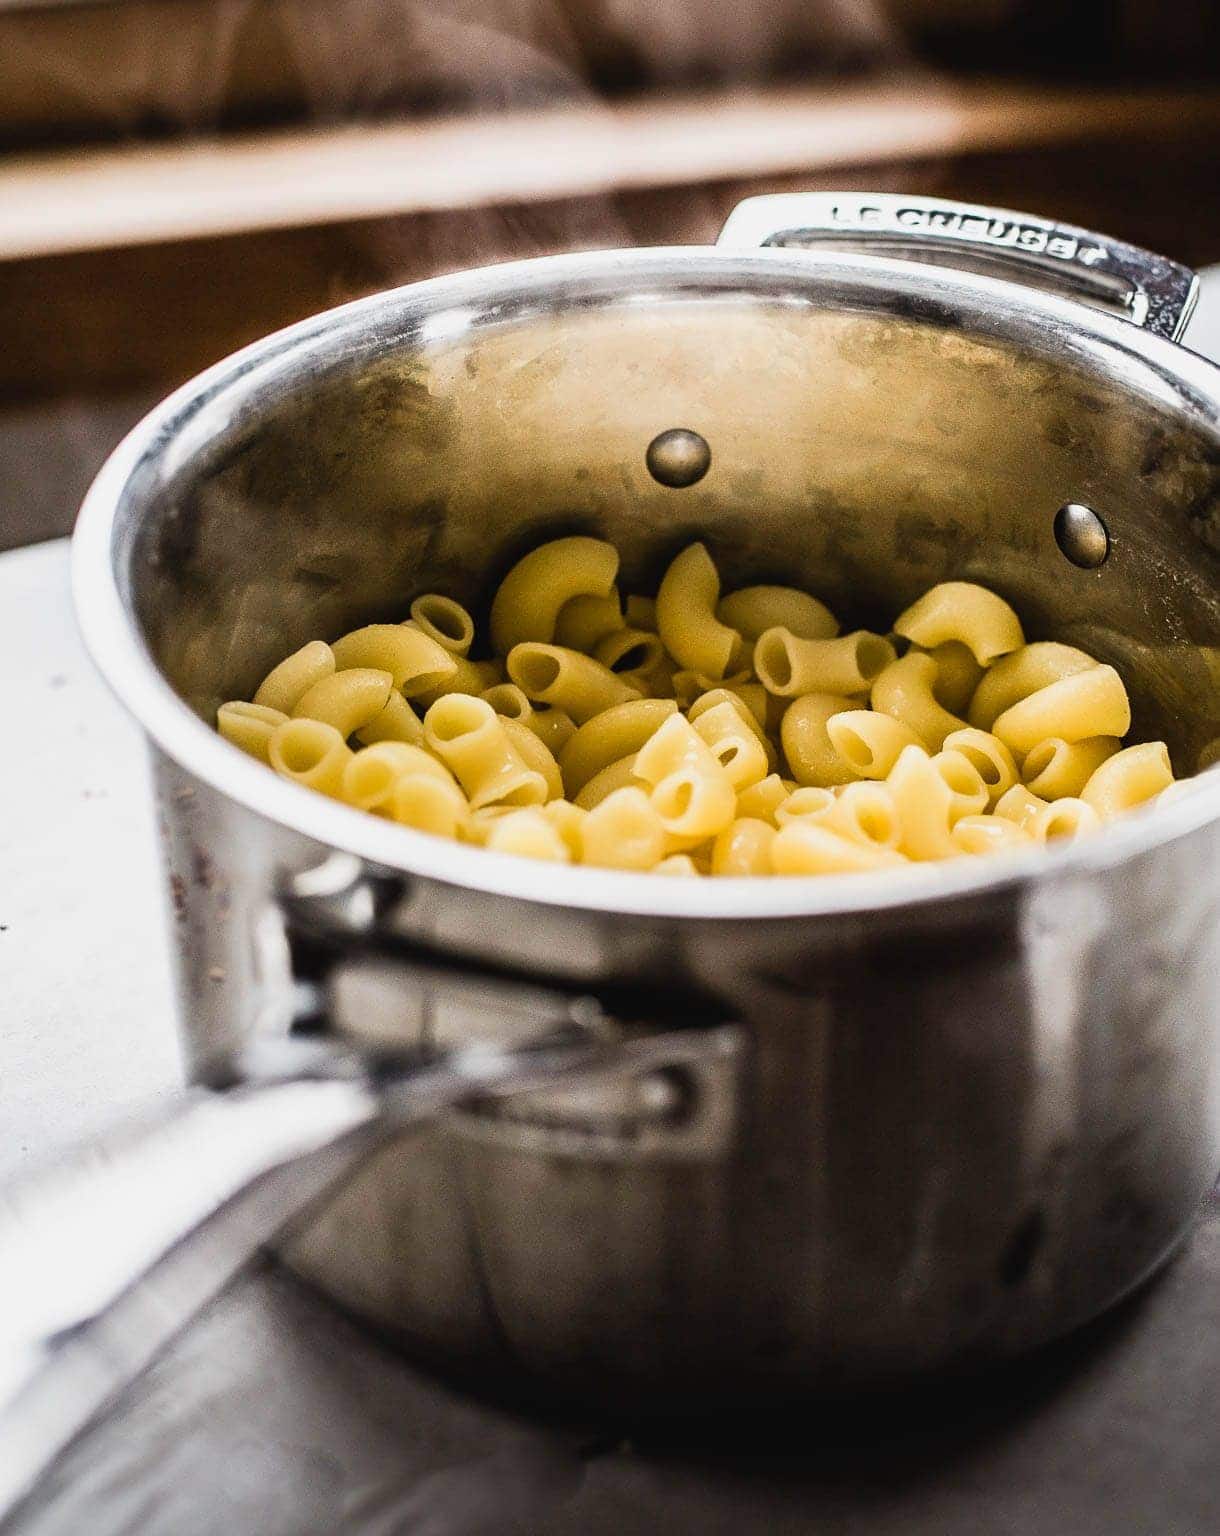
[(968, 1113)]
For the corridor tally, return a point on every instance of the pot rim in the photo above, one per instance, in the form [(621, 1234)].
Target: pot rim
[(478, 296)]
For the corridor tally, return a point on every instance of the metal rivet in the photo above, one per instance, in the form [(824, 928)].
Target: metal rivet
[(1081, 535), (678, 457)]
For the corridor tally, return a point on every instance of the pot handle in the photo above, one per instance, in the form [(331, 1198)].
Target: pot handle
[(1148, 290), (110, 1253)]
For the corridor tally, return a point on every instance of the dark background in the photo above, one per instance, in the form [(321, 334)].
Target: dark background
[(97, 328)]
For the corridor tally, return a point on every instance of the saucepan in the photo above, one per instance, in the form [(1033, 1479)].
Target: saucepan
[(659, 1143)]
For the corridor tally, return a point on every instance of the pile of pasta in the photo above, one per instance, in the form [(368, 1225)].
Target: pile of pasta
[(700, 734)]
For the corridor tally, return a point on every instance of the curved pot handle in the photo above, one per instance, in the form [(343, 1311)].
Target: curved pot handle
[(1149, 290), (110, 1253)]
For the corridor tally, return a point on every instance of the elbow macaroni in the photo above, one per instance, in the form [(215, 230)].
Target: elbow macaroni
[(961, 610), (528, 601), (686, 615), (906, 692), (577, 684), (753, 610), (1092, 703), (789, 667), (698, 735), (414, 660)]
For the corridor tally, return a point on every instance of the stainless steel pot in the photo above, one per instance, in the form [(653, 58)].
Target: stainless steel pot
[(966, 1112)]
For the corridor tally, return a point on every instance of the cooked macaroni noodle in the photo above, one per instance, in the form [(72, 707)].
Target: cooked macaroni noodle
[(1015, 677), (444, 621), (790, 667), (753, 610), (906, 691), (249, 726), (347, 700), (686, 615), (961, 610), (414, 660), (529, 599), (284, 685), (577, 684)]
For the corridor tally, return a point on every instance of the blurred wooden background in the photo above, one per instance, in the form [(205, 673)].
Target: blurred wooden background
[(180, 176)]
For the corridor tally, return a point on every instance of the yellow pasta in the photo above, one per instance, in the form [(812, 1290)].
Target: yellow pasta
[(284, 685), (868, 741), (617, 732), (988, 834), (806, 740), (566, 818), (347, 700), (529, 600), (529, 835), (809, 802), (1056, 767), (508, 700), (629, 651), (428, 804), (743, 848), (584, 620), (930, 795), (1129, 778), (1092, 703), (619, 775), (905, 691), (750, 699), (690, 791), (866, 812), (734, 743), (759, 802), (445, 621), (476, 826), (806, 848), (249, 726), (623, 832), (311, 753), (522, 720), (961, 610), (690, 687), (369, 775), (677, 864), (790, 667), (397, 721), (1015, 677), (988, 755), (573, 682), (639, 658), (957, 675), (535, 754), (553, 727), (1019, 806), (694, 804), (1065, 818), (471, 739), (467, 677), (415, 662), (686, 615), (629, 733), (753, 610)]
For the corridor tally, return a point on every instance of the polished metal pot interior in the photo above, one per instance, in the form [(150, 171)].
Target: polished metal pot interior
[(969, 1111)]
